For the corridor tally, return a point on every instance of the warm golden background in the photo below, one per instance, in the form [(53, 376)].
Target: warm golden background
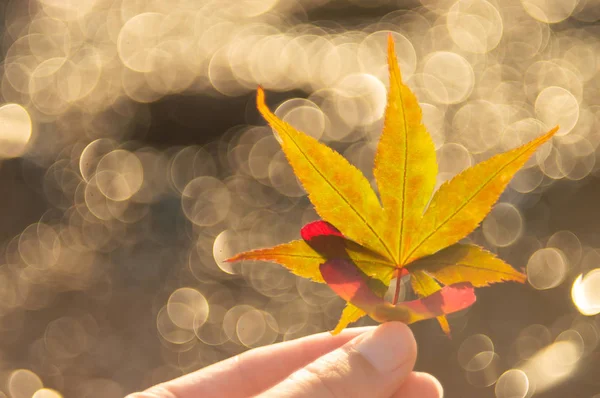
[(133, 161)]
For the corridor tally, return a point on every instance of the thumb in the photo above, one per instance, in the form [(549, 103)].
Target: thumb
[(373, 364)]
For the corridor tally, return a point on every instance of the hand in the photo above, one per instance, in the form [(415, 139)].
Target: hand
[(359, 362)]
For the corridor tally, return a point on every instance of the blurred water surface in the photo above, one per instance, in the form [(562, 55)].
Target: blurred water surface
[(133, 162)]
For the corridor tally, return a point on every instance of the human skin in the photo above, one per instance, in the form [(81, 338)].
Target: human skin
[(373, 362)]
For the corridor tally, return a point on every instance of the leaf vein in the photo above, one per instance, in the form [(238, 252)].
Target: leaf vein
[(468, 200), (334, 188), (265, 257), (466, 265)]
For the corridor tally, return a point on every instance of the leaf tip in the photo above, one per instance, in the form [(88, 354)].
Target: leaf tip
[(444, 325), (544, 138), (390, 41), (260, 97), (521, 277), (250, 255), (391, 52), (233, 259)]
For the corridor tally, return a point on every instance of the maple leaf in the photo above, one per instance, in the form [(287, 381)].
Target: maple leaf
[(364, 241)]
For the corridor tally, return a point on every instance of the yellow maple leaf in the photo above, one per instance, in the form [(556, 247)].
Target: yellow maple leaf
[(366, 241)]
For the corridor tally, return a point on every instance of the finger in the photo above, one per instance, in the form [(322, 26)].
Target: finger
[(253, 371), (420, 385), (372, 365)]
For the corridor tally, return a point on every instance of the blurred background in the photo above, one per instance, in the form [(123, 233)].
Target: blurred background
[(133, 161)]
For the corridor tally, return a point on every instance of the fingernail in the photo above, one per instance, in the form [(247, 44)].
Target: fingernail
[(387, 347)]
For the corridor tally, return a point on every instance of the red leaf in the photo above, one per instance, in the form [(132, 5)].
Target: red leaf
[(351, 284), (319, 228), (324, 238)]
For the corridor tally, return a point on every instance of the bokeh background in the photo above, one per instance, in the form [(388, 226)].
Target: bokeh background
[(133, 161)]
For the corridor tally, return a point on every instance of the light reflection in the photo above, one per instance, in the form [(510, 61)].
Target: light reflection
[(483, 369), (551, 365), (569, 245), (46, 393), (503, 226), (169, 330), (557, 106), (205, 201), (478, 346), (475, 25), (448, 77), (256, 328), (187, 308), (513, 383), (550, 11), (481, 125), (15, 130), (361, 99), (584, 293), (547, 268), (531, 339), (303, 115), (23, 383)]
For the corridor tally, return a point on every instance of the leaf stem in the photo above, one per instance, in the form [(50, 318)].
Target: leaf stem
[(397, 292)]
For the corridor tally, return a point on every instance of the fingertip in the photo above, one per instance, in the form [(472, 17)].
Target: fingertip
[(390, 347), (420, 385)]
